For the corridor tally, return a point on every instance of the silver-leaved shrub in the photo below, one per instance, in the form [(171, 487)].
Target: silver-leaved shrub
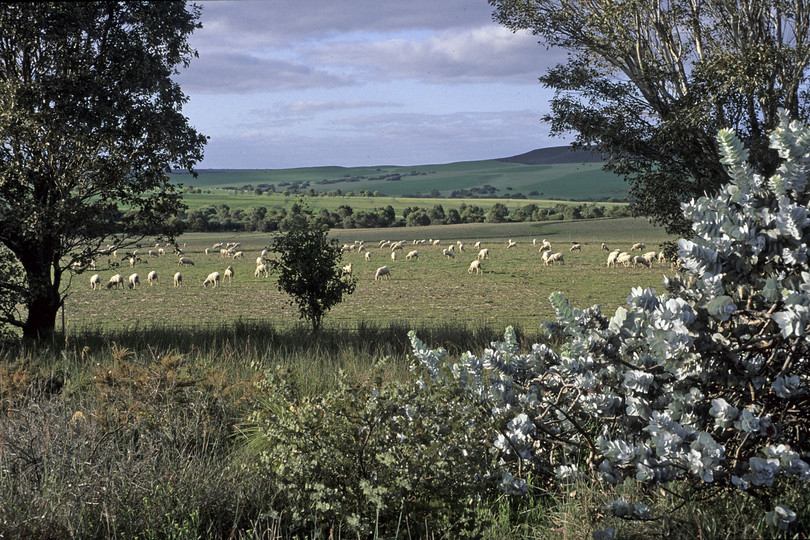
[(705, 383)]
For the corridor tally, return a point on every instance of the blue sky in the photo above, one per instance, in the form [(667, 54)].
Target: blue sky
[(283, 83)]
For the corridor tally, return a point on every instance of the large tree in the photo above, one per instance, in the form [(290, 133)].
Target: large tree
[(90, 124), (649, 83)]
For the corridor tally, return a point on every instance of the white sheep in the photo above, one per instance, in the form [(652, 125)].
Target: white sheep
[(412, 255), (239, 255), (604, 247), (576, 247), (152, 253), (477, 245), (638, 246), (229, 273), (483, 254), (382, 272), (213, 278), (95, 282), (116, 281), (475, 266), (612, 256), (554, 257), (367, 255), (131, 262), (259, 260), (436, 242), (451, 247), (662, 257), (650, 256), (641, 260), (393, 255), (625, 259), (264, 254), (262, 269), (161, 252), (184, 260), (534, 241), (134, 279), (151, 277), (511, 244), (346, 270), (178, 279), (460, 247), (545, 246), (449, 254)]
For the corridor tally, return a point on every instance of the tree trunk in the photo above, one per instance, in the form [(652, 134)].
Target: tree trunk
[(43, 305)]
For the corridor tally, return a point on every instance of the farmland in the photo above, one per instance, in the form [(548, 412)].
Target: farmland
[(514, 288)]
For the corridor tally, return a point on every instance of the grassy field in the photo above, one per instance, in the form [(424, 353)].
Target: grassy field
[(514, 288), (569, 181)]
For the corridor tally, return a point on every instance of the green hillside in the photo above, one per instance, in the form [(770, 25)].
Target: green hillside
[(566, 180)]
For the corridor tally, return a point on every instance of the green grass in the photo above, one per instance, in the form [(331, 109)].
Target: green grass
[(514, 288), (569, 181)]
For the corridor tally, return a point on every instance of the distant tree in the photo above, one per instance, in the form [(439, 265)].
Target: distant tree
[(90, 121), (437, 215), (309, 267), (649, 83), (498, 213)]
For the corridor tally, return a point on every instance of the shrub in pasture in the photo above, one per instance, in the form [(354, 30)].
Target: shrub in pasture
[(707, 384), (309, 267)]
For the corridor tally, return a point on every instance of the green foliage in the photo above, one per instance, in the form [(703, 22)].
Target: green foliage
[(90, 121), (308, 267), (648, 84), (366, 460)]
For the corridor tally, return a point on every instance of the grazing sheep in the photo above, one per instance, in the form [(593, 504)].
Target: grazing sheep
[(368, 255), (638, 246), (229, 273), (449, 254), (95, 282), (625, 259), (161, 251), (451, 247), (178, 279), (662, 257), (224, 253), (382, 272), (576, 247), (152, 253), (650, 256), (475, 266), (436, 242), (554, 257), (134, 279), (545, 246), (611, 260), (346, 270), (131, 262), (184, 260), (604, 247), (116, 281), (477, 245), (239, 255), (393, 255), (483, 254), (259, 260), (262, 269), (412, 255), (534, 241), (213, 278), (264, 254), (511, 244), (151, 278), (460, 247), (640, 260)]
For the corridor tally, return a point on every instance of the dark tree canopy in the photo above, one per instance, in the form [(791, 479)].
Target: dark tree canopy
[(308, 266), (90, 124), (649, 83)]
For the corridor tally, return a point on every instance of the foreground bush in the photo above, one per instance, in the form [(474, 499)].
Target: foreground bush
[(705, 385)]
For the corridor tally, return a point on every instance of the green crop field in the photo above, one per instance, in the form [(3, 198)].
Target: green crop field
[(565, 181), (514, 288)]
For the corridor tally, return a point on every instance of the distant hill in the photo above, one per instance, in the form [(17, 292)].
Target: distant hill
[(553, 155)]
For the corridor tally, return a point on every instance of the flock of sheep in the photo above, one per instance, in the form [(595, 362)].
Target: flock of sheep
[(230, 250)]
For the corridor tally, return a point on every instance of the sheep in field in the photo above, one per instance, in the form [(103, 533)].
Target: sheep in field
[(436, 242), (368, 255), (131, 262), (625, 259), (346, 270), (178, 279), (95, 282), (611, 260), (604, 247), (650, 257), (393, 255), (460, 247), (662, 258), (229, 273), (576, 247), (239, 255), (116, 281), (641, 260), (449, 254), (483, 254), (262, 269), (475, 266), (555, 257), (477, 245), (151, 278), (134, 279), (638, 246), (382, 272), (184, 260), (412, 255), (545, 246), (259, 260), (511, 244), (213, 279)]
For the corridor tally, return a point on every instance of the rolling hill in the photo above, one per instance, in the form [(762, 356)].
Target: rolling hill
[(548, 173)]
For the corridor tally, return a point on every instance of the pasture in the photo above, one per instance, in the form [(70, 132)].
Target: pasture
[(513, 288)]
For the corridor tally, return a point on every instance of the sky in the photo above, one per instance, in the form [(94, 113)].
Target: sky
[(304, 83)]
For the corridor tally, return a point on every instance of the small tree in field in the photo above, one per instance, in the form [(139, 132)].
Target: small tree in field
[(308, 268)]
